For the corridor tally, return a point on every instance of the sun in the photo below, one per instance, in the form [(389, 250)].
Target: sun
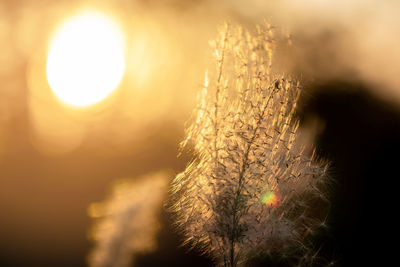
[(86, 61)]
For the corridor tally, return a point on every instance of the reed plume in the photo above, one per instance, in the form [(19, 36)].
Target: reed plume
[(127, 223), (252, 187)]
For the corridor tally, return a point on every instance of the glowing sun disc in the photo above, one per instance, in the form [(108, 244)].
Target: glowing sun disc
[(86, 60)]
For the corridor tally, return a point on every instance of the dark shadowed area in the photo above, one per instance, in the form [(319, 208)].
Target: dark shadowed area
[(361, 139)]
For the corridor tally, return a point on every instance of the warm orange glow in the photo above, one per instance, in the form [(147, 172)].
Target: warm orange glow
[(86, 60)]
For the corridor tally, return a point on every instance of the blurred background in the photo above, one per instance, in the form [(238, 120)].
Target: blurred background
[(57, 159)]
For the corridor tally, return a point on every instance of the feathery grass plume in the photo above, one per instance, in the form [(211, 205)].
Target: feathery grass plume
[(128, 220), (251, 188)]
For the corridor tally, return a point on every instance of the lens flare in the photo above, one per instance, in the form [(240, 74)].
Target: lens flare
[(271, 199), (86, 60)]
